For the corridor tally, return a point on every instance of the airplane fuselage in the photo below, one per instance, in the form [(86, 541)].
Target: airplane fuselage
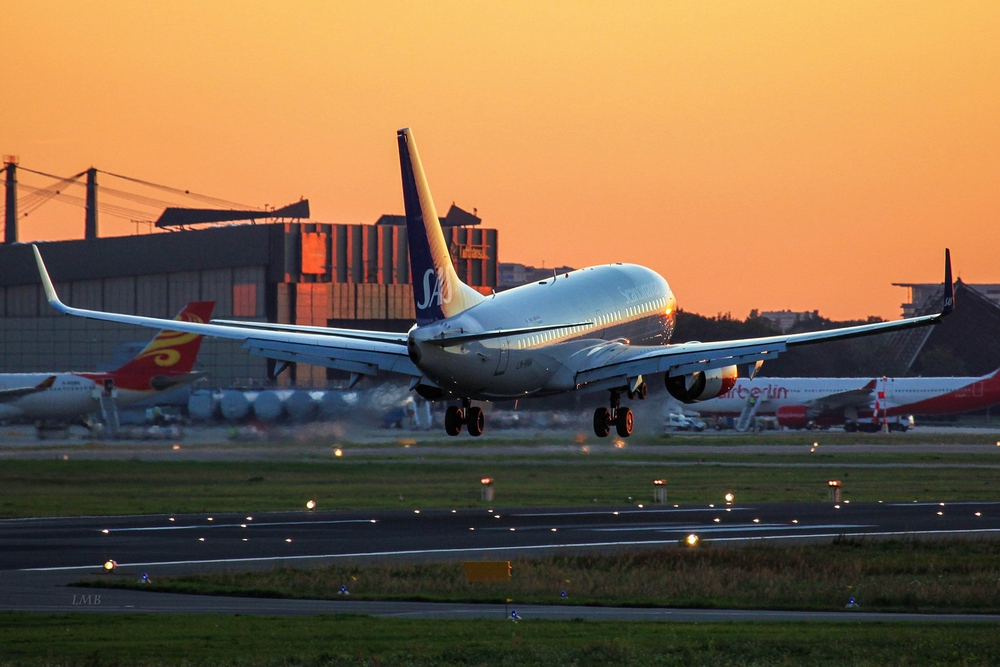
[(900, 396), (613, 304), (71, 395)]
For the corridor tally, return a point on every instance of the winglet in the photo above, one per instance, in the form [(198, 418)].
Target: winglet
[(50, 291), (949, 286)]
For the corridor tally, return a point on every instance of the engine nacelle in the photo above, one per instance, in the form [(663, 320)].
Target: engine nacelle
[(793, 416), (701, 385)]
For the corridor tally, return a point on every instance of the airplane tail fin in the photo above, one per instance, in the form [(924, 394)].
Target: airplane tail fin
[(437, 291), (171, 352)]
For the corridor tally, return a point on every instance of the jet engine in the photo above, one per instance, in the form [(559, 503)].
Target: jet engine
[(793, 416), (701, 385)]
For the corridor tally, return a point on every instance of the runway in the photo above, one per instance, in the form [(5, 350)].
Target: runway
[(39, 557)]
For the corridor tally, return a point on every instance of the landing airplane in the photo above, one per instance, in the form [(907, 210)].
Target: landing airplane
[(601, 328), (166, 362), (859, 404)]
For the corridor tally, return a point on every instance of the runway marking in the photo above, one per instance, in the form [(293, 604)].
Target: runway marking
[(234, 525), (642, 511), (711, 528), (530, 547)]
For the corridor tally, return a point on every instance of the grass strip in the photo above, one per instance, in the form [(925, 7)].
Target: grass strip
[(71, 488), (949, 576), (148, 639)]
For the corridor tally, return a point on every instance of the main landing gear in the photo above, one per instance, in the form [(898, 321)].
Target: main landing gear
[(618, 416), (456, 417)]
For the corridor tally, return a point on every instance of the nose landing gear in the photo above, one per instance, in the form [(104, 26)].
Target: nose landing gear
[(618, 416), (456, 417)]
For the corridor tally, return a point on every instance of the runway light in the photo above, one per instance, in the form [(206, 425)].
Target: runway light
[(472, 529), (176, 447), (211, 519), (692, 540), (812, 449), (288, 539), (453, 511), (795, 520), (729, 509), (553, 530), (105, 531), (201, 539), (171, 519), (615, 512), (979, 513), (244, 539), (249, 518), (110, 565), (66, 456), (676, 505), (585, 449), (243, 525), (512, 530), (310, 504), (640, 505), (711, 504), (815, 444), (338, 452), (941, 504), (716, 519), (486, 481), (756, 520), (372, 521), (836, 507), (940, 513), (416, 511), (730, 497), (496, 516)]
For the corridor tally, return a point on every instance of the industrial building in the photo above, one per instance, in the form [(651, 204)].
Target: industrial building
[(308, 273)]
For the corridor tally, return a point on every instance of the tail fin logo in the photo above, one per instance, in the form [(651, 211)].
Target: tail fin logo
[(162, 349), (440, 292)]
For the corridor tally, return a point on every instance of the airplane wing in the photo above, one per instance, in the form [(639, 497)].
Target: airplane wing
[(17, 392), (362, 352), (858, 398), (618, 365)]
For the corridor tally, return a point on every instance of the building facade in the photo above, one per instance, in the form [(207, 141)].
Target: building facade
[(294, 273)]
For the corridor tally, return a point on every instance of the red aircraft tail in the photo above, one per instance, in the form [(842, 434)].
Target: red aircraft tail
[(171, 353)]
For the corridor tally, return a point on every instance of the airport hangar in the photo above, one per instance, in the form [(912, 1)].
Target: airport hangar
[(310, 273)]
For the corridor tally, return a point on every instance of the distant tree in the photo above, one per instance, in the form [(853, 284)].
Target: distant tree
[(940, 361)]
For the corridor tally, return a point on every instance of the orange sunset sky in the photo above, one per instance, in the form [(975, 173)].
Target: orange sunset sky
[(769, 155)]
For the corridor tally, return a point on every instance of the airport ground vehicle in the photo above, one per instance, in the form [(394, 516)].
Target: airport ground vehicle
[(676, 421), (603, 328)]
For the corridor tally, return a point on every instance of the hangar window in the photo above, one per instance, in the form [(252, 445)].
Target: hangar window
[(245, 300)]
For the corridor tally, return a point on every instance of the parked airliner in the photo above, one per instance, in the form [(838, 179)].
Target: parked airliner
[(855, 403), (602, 328), (166, 362)]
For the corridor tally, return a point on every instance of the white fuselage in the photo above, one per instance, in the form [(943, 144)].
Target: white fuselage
[(620, 303), (919, 395), (70, 396)]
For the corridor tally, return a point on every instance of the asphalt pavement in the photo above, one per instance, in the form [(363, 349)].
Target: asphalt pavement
[(39, 558)]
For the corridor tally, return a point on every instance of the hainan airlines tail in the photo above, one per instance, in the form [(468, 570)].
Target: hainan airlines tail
[(171, 352), (437, 291)]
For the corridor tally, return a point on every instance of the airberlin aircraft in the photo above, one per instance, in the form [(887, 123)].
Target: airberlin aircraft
[(166, 362), (603, 328), (857, 403)]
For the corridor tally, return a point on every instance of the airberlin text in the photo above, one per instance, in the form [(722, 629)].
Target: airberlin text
[(770, 391)]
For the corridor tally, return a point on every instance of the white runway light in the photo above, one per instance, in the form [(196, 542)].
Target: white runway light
[(110, 565)]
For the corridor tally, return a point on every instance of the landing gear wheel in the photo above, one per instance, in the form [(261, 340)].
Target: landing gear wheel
[(642, 391), (453, 420), (476, 421), (623, 422), (602, 422)]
